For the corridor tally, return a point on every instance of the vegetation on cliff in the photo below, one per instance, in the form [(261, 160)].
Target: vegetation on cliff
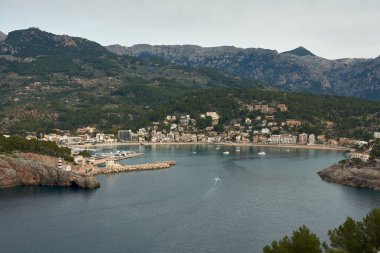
[(16, 143), (350, 237)]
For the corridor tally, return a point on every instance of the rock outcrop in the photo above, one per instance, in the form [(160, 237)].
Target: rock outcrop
[(365, 177), (33, 169)]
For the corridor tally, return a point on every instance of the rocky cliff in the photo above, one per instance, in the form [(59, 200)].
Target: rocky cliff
[(364, 177), (298, 69), (33, 169)]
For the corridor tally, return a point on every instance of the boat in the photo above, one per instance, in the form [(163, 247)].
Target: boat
[(261, 153), (226, 153), (288, 150), (194, 152)]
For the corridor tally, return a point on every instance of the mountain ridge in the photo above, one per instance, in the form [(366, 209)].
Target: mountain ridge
[(287, 70)]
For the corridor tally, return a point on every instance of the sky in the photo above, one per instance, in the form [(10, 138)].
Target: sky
[(329, 28)]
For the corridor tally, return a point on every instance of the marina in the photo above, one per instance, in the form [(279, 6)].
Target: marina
[(103, 158)]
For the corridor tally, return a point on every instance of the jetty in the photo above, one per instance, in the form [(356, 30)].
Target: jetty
[(112, 167)]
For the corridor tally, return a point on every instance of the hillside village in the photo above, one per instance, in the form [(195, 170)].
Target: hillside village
[(263, 129)]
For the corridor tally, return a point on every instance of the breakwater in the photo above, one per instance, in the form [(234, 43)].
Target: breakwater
[(116, 168)]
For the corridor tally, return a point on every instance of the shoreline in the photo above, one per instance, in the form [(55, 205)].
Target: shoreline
[(288, 146)]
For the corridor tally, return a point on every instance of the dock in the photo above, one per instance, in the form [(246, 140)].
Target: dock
[(116, 168), (115, 158)]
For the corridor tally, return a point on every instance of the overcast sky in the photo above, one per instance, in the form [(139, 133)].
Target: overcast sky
[(329, 28)]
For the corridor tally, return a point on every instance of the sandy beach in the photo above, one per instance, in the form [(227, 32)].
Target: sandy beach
[(289, 146)]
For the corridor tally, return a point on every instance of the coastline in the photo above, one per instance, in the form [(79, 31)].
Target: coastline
[(352, 175), (288, 146)]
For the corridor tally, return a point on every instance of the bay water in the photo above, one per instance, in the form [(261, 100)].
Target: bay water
[(208, 202)]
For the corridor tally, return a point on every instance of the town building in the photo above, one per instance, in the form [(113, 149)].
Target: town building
[(86, 130), (288, 139), (99, 137), (125, 135), (332, 143), (283, 107), (321, 138), (293, 122), (274, 139), (356, 155), (311, 140), (79, 159), (214, 116), (302, 138)]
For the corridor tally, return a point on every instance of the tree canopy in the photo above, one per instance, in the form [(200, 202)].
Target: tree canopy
[(350, 237)]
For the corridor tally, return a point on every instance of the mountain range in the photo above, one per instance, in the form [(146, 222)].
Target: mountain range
[(50, 81), (295, 70)]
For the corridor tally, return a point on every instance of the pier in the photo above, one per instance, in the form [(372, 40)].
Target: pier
[(112, 167)]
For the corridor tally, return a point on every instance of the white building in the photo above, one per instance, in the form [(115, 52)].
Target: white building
[(311, 139), (79, 159), (274, 139), (376, 135), (288, 139), (363, 157), (99, 137), (214, 116)]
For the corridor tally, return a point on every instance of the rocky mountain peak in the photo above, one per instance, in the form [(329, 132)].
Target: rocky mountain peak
[(299, 51), (34, 42), (3, 36)]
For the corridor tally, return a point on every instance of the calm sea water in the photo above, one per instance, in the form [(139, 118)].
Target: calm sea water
[(182, 209)]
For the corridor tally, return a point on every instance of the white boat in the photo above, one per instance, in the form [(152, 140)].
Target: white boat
[(226, 153), (216, 180), (261, 153), (288, 150), (237, 150), (194, 152)]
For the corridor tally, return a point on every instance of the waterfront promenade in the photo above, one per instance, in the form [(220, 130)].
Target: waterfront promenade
[(289, 146)]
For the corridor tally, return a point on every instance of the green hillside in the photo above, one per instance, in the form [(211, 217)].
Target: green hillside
[(50, 81)]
